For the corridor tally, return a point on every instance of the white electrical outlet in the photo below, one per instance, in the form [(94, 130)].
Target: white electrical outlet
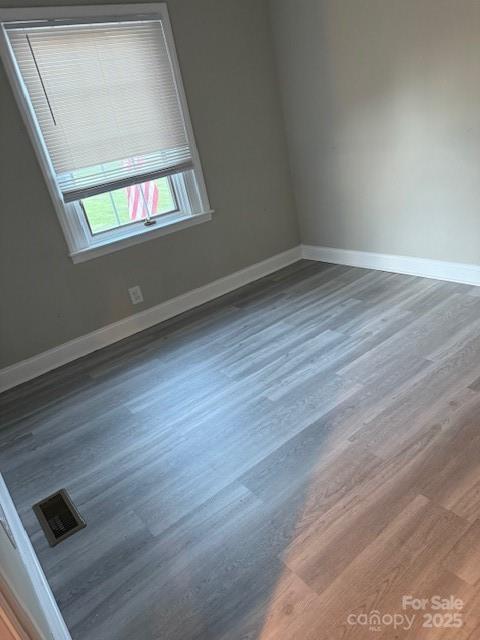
[(136, 295)]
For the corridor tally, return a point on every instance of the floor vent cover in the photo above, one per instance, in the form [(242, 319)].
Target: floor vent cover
[(58, 517)]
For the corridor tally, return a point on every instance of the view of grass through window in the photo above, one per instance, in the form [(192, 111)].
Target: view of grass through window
[(121, 207)]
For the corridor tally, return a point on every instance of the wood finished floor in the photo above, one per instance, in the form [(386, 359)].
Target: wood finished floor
[(301, 450)]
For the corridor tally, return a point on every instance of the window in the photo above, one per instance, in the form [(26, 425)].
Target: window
[(101, 93)]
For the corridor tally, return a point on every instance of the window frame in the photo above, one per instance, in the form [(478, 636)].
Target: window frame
[(156, 216), (189, 186)]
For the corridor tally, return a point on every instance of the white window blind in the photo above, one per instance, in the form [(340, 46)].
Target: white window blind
[(106, 101)]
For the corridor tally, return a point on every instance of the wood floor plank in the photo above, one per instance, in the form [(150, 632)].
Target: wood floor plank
[(390, 566), (302, 449), (464, 559)]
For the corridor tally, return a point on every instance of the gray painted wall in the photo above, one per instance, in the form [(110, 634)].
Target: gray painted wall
[(382, 108), (226, 57)]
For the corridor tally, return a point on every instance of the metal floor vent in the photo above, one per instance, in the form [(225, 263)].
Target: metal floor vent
[(58, 517)]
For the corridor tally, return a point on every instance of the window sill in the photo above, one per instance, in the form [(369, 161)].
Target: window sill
[(142, 235)]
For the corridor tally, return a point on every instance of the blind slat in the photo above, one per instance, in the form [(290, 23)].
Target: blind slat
[(106, 102)]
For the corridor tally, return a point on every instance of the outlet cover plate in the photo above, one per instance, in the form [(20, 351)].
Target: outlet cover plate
[(136, 295)]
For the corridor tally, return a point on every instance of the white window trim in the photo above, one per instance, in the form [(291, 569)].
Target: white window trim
[(195, 209)]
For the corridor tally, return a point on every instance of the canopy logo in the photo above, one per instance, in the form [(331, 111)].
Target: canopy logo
[(436, 612), (376, 621)]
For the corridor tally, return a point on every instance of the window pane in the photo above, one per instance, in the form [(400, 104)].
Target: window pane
[(109, 211)]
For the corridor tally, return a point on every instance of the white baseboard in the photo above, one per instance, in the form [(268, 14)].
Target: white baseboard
[(426, 268), (37, 365), (37, 593)]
